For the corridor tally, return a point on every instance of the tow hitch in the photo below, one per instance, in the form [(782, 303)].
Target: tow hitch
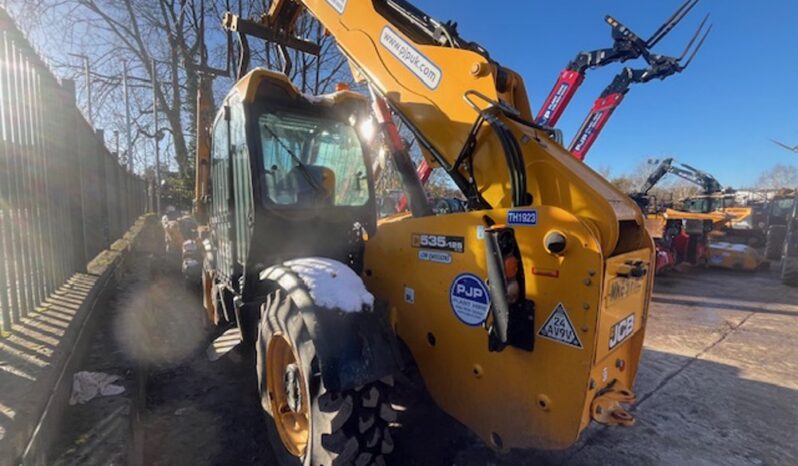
[(607, 406)]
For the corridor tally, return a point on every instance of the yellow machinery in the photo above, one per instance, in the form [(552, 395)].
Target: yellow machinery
[(701, 232), (525, 313), (722, 253), (732, 227), (735, 223)]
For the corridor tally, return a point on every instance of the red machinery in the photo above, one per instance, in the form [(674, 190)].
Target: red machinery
[(660, 67)]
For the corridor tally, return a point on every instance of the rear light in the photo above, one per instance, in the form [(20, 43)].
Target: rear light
[(513, 316), (510, 267), (511, 264), (511, 275)]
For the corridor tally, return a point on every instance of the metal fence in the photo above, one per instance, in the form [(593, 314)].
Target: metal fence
[(63, 196)]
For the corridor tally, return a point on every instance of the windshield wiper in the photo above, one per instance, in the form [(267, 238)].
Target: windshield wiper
[(314, 183)]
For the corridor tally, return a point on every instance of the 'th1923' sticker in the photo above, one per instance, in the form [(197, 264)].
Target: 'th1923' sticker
[(469, 299), (524, 218)]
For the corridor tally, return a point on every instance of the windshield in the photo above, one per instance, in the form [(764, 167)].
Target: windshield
[(306, 158), (698, 205)]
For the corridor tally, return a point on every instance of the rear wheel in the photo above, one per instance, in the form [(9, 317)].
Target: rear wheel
[(775, 241), (308, 424), (789, 271)]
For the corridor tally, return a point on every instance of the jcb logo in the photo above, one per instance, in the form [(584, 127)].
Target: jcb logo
[(621, 331)]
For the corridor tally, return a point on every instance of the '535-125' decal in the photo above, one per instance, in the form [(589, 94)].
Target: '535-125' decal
[(441, 242)]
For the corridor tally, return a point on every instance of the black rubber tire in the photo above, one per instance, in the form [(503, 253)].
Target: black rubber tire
[(775, 241), (346, 428), (789, 271)]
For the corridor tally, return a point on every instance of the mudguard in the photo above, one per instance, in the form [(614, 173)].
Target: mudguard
[(353, 348)]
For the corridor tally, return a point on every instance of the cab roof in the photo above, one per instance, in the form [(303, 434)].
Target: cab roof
[(247, 87)]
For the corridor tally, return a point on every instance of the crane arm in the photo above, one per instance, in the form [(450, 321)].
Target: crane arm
[(660, 67), (656, 175), (707, 182)]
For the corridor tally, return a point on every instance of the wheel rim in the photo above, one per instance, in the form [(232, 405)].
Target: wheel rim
[(287, 395)]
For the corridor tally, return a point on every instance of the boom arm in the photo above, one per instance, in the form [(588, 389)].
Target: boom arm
[(656, 175), (707, 182)]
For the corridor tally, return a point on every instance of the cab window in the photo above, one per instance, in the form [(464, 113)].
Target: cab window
[(306, 158), (782, 207), (220, 166)]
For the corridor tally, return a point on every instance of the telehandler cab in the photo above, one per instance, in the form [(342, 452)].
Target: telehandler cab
[(525, 313), (777, 218)]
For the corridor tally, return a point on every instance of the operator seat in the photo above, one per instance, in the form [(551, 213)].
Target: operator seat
[(306, 194)]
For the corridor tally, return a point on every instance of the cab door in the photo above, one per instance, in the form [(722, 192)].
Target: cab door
[(221, 194), (243, 210)]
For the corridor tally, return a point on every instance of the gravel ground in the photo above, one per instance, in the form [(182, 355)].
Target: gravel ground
[(718, 385)]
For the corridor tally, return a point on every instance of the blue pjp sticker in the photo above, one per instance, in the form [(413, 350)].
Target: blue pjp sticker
[(469, 299), (525, 218)]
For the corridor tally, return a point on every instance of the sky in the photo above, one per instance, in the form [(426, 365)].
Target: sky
[(740, 91)]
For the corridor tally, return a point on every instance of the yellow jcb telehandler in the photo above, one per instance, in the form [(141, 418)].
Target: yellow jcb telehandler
[(524, 312)]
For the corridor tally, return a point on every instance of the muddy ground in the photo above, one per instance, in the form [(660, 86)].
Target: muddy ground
[(718, 384)]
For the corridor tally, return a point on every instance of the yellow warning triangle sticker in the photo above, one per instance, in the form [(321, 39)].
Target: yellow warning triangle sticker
[(558, 327)]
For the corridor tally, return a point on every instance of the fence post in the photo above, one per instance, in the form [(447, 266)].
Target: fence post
[(102, 214), (74, 167)]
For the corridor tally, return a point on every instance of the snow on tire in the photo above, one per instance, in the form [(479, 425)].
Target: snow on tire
[(345, 428)]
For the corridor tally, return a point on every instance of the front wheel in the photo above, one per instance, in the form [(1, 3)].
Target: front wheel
[(308, 424)]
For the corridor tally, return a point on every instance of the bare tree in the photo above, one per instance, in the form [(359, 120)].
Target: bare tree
[(136, 32), (780, 176)]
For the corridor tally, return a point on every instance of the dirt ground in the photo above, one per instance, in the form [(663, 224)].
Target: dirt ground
[(718, 384)]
